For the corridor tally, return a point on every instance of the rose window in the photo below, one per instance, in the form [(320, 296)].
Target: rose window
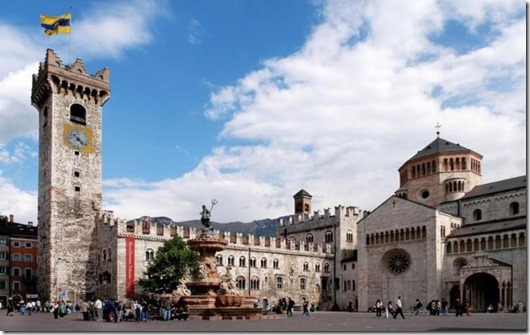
[(396, 261)]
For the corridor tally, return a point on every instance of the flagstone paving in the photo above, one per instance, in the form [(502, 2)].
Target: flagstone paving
[(318, 322)]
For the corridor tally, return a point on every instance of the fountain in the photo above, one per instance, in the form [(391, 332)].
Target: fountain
[(208, 295)]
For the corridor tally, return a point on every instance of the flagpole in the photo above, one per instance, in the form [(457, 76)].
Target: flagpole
[(70, 38)]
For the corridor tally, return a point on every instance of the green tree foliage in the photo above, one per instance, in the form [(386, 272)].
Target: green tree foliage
[(173, 260)]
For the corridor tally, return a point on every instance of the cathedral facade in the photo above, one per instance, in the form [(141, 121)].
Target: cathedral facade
[(442, 234)]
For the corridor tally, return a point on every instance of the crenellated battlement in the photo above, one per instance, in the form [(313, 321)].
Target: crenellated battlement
[(145, 229), (341, 212), (72, 80)]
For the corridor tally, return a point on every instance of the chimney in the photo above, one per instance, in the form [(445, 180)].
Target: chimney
[(11, 218)]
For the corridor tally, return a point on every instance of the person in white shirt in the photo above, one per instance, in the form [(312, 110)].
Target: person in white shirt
[(99, 309), (399, 308)]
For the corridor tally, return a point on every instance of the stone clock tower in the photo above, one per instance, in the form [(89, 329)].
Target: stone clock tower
[(69, 101)]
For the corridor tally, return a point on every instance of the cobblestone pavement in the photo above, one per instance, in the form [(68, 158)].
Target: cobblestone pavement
[(318, 322)]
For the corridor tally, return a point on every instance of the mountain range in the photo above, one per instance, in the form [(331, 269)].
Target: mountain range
[(265, 227)]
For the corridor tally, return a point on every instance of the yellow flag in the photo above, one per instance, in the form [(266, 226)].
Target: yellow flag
[(56, 24)]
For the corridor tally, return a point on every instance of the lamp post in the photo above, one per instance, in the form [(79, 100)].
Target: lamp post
[(335, 305)]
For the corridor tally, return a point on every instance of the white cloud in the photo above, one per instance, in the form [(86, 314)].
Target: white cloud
[(340, 116), (19, 154), (14, 201), (114, 28), (19, 119), (196, 32), (107, 31)]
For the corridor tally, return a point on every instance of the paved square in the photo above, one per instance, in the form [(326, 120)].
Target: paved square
[(319, 322)]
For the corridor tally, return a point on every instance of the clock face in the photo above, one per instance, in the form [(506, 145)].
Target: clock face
[(78, 138)]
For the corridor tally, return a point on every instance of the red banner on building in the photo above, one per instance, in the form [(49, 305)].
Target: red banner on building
[(129, 267)]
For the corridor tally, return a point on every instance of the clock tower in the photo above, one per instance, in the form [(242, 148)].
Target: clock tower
[(70, 105)]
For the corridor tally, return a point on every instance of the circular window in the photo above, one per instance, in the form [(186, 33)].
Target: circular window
[(425, 194), (396, 261)]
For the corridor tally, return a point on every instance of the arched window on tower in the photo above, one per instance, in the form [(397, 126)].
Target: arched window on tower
[(309, 238), (78, 114), (219, 260), (349, 236), (514, 208), (477, 215)]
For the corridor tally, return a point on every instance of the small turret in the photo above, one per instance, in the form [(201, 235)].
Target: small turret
[(302, 202)]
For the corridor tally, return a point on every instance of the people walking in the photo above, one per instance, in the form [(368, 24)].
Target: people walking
[(399, 308), (84, 309), (417, 306), (63, 309), (55, 309), (167, 309), (290, 307), (305, 307), (445, 309), (378, 308), (29, 307), (10, 307), (468, 307), (390, 310), (98, 304)]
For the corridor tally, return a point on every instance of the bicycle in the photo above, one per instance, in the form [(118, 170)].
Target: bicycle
[(411, 311)]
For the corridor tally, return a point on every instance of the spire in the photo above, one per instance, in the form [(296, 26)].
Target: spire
[(438, 126)]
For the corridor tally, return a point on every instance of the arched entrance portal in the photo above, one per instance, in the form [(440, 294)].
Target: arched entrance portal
[(453, 295), (481, 290)]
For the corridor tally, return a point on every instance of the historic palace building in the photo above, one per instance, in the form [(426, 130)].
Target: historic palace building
[(442, 234)]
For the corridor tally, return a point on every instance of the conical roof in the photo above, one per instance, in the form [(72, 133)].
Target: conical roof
[(440, 145), (302, 193)]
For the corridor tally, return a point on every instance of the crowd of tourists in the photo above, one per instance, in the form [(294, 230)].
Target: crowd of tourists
[(109, 310)]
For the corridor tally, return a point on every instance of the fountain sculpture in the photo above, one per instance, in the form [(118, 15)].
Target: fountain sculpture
[(207, 294)]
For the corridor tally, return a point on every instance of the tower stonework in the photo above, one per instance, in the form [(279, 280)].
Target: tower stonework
[(69, 101)]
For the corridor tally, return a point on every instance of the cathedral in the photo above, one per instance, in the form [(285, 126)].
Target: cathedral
[(442, 234)]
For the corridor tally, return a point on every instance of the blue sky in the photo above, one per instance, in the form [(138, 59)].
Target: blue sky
[(249, 101)]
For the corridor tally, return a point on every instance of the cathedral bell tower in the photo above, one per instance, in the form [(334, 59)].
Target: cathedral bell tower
[(302, 202), (442, 171), (69, 101)]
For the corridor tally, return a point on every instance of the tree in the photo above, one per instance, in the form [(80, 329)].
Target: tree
[(173, 260)]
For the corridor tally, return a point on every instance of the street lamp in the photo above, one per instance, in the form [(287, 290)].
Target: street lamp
[(335, 286)]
